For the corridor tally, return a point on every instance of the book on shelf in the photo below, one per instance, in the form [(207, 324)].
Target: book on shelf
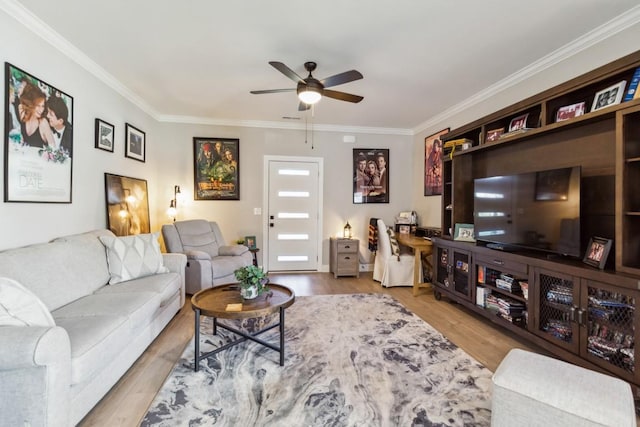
[(632, 91), (514, 132)]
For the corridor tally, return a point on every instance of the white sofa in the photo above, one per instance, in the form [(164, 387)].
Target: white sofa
[(94, 322), (210, 261)]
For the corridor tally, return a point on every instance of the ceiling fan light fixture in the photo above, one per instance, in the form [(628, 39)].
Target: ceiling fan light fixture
[(310, 95)]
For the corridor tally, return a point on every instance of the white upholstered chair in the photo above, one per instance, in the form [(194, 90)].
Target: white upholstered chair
[(391, 269)]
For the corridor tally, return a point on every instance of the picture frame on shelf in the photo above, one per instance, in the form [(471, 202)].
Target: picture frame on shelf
[(127, 202), (104, 135), (216, 168), (609, 96), (250, 242), (464, 233), (135, 143), (518, 123), (570, 111), (494, 134), (433, 154), (37, 167), (597, 252)]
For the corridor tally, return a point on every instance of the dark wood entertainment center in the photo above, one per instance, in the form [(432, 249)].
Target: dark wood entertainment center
[(577, 312)]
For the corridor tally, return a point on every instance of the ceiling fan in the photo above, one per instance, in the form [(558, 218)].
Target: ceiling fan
[(310, 90)]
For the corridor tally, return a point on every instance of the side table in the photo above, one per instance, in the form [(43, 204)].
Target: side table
[(343, 259), (254, 252)]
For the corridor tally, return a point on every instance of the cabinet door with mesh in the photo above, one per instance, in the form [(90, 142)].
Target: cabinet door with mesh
[(608, 328), (558, 296)]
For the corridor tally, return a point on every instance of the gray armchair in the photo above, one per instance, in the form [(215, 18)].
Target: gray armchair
[(210, 261)]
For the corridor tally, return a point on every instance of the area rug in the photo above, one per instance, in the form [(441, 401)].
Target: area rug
[(351, 360)]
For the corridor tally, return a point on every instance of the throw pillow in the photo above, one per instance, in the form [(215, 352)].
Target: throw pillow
[(395, 247), (131, 257), (21, 307)]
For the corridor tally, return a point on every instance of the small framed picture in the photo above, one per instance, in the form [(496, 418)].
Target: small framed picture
[(609, 96), (250, 241), (494, 134), (519, 122), (597, 252), (570, 111), (135, 143), (464, 233), (104, 135)]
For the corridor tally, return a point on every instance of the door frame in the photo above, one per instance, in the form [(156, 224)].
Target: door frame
[(265, 203)]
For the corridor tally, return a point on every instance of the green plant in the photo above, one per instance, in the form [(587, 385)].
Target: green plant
[(240, 241), (252, 275)]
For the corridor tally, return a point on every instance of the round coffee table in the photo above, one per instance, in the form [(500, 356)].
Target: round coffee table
[(225, 302)]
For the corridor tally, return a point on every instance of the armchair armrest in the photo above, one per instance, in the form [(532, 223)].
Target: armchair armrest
[(35, 373), (198, 255), (232, 250)]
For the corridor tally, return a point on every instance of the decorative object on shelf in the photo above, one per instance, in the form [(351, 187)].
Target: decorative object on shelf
[(570, 111), (216, 168), (253, 281), (597, 252), (37, 166), (135, 143), (250, 242), (494, 134), (519, 122), (632, 91), (464, 233), (370, 175), (346, 232), (104, 135), (450, 146), (609, 96), (173, 205), (433, 163), (127, 204)]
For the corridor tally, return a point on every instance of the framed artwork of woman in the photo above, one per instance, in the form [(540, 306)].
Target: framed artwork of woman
[(433, 163)]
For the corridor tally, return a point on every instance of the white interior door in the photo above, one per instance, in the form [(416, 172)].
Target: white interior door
[(293, 214)]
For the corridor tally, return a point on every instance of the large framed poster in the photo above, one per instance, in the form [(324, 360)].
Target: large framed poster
[(370, 175), (38, 145), (216, 168), (433, 163), (127, 202)]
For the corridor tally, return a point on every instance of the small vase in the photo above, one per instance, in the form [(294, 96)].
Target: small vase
[(249, 292)]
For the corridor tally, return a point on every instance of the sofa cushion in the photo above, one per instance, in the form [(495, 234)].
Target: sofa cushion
[(45, 268), (100, 326), (131, 257), (197, 235), (21, 307), (166, 285)]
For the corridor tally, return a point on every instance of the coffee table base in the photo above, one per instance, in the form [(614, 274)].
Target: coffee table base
[(244, 337)]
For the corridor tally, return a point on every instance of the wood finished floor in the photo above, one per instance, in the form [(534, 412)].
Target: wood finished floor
[(128, 400)]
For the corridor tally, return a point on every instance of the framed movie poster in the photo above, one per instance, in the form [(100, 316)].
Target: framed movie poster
[(433, 163), (216, 168), (38, 145), (127, 204), (370, 175)]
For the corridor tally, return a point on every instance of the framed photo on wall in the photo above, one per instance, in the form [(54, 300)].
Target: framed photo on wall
[(433, 163), (127, 203), (104, 135), (370, 175), (216, 168), (135, 143), (38, 145)]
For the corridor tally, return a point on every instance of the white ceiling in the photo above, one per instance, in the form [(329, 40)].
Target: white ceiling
[(197, 60)]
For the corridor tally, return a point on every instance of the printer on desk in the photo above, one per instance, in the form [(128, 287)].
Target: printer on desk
[(407, 222)]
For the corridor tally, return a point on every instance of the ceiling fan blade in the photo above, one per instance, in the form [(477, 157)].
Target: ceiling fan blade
[(257, 92), (342, 96), (286, 71), (304, 107), (338, 79)]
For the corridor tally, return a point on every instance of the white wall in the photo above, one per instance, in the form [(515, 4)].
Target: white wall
[(614, 47), (169, 161)]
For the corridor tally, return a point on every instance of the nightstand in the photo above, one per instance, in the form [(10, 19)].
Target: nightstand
[(344, 257)]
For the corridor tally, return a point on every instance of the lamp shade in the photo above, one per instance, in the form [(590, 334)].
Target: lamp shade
[(309, 96), (347, 231)]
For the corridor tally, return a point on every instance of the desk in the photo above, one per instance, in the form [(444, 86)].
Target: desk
[(420, 246)]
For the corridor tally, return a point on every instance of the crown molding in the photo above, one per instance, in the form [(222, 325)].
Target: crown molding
[(593, 37)]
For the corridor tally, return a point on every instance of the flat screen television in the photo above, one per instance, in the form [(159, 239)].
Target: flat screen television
[(536, 210)]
